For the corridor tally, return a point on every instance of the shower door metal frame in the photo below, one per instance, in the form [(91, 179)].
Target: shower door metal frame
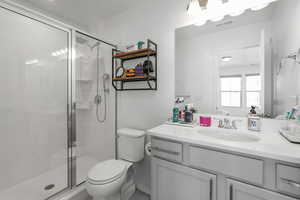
[(36, 16), (71, 80)]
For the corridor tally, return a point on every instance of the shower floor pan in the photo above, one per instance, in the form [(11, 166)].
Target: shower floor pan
[(34, 189)]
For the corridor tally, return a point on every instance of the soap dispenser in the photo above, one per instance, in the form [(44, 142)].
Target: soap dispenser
[(254, 121)]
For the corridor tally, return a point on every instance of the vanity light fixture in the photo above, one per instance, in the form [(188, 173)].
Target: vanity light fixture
[(226, 58), (215, 10)]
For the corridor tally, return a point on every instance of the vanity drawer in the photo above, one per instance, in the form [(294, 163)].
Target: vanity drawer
[(168, 150), (288, 179), (247, 169)]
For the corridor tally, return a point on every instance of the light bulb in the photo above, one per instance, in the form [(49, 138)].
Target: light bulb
[(200, 21), (193, 8), (215, 10), (236, 13), (236, 7), (259, 7)]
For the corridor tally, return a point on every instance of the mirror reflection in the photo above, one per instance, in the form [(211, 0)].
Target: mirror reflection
[(229, 66)]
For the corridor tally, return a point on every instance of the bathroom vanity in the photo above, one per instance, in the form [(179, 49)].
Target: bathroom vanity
[(192, 164)]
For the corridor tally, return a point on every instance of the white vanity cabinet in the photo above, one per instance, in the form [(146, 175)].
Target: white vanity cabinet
[(171, 181), (185, 171), (241, 191)]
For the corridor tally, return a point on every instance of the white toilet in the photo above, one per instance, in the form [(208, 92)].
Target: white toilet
[(109, 180)]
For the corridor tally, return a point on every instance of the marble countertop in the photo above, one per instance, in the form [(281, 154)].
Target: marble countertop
[(271, 144)]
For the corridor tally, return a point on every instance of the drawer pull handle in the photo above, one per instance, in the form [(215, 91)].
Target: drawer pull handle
[(231, 192), (211, 189), (290, 182), (166, 151)]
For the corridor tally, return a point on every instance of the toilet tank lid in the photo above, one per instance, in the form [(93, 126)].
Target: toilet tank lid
[(129, 132)]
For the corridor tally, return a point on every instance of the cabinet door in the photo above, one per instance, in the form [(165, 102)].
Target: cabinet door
[(176, 182), (242, 191)]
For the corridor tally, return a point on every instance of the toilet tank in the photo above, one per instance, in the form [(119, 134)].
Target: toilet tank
[(131, 144)]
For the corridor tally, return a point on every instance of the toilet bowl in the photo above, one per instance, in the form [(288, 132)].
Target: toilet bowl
[(109, 180), (104, 181)]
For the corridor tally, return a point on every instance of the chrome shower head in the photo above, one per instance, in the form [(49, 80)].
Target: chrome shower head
[(95, 45), (81, 40), (85, 41)]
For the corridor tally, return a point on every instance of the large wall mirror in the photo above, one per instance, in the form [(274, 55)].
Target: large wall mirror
[(228, 66)]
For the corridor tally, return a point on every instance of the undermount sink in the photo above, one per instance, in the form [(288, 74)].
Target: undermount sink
[(229, 135)]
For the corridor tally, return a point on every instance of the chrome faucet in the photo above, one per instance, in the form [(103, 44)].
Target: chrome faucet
[(227, 123)]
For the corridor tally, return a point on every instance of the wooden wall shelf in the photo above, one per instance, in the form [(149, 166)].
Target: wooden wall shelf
[(135, 54), (150, 53), (136, 78)]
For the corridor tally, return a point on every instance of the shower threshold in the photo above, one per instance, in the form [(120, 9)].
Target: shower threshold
[(49, 183)]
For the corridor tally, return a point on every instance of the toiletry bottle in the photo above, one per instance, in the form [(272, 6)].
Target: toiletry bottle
[(252, 111), (175, 114), (182, 115), (188, 117), (254, 122)]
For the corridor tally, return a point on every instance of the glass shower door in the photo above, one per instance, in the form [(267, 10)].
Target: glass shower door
[(95, 138), (33, 108)]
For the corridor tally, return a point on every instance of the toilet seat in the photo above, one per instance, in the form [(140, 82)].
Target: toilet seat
[(106, 172)]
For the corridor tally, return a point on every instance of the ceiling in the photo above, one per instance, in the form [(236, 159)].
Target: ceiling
[(79, 12), (241, 57)]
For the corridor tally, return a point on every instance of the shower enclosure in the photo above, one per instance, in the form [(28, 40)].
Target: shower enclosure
[(49, 133)]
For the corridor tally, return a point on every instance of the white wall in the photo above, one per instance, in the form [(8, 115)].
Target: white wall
[(156, 20)]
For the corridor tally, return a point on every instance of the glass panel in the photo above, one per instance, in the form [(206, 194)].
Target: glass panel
[(95, 136), (33, 108), (253, 99), (231, 99), (230, 83), (253, 83)]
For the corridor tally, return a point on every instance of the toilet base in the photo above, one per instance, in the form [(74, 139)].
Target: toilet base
[(127, 192), (128, 189), (115, 197)]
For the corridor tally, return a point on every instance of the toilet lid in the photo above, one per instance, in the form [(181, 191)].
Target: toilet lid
[(107, 171)]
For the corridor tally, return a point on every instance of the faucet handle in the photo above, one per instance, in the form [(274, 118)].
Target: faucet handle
[(233, 123), (220, 122)]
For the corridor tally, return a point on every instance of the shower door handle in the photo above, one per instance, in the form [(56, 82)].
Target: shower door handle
[(72, 136)]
